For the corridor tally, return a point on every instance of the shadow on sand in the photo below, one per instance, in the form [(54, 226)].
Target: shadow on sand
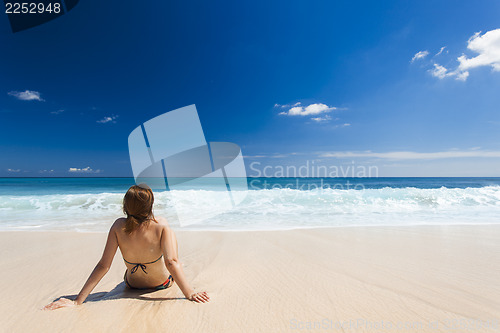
[(122, 291)]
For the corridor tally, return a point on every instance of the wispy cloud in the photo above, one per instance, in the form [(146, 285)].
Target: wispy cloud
[(108, 119), (323, 119), (57, 111), (27, 95), (420, 55), (284, 106), (46, 171), (14, 170), (487, 47), (410, 155), (441, 50), (275, 155), (83, 170)]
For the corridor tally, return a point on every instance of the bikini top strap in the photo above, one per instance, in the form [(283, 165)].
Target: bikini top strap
[(141, 265), (146, 263)]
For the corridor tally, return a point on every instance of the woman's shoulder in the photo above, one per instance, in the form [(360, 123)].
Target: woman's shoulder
[(119, 223), (161, 221)]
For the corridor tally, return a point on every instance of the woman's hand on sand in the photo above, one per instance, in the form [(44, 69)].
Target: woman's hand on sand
[(60, 303), (201, 297)]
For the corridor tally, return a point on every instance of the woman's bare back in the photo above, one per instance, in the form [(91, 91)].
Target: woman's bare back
[(143, 246)]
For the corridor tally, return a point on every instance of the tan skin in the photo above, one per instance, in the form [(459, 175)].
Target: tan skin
[(145, 244)]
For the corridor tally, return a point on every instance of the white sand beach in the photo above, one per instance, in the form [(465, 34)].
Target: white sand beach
[(377, 279)]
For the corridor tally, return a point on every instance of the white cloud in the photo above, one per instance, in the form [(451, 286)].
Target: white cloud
[(108, 119), (409, 155), (420, 55), (462, 76), (13, 170), (83, 170), (46, 171), (310, 110), (27, 95), (57, 112), (439, 71), (487, 46)]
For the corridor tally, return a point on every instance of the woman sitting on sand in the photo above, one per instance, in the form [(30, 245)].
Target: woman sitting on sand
[(143, 240)]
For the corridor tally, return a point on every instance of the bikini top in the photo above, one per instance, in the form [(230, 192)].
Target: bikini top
[(141, 265)]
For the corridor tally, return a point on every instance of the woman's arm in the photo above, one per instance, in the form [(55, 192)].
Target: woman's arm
[(99, 271), (102, 266), (169, 247)]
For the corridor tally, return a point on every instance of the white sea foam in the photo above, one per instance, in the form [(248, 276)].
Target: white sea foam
[(264, 209)]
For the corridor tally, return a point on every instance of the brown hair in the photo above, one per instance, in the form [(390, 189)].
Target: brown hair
[(138, 206)]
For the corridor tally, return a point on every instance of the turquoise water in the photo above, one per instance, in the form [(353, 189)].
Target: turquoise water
[(92, 204)]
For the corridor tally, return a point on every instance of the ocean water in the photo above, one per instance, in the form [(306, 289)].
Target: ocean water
[(92, 204)]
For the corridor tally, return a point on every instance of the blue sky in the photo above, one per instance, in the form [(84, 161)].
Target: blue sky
[(330, 82)]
